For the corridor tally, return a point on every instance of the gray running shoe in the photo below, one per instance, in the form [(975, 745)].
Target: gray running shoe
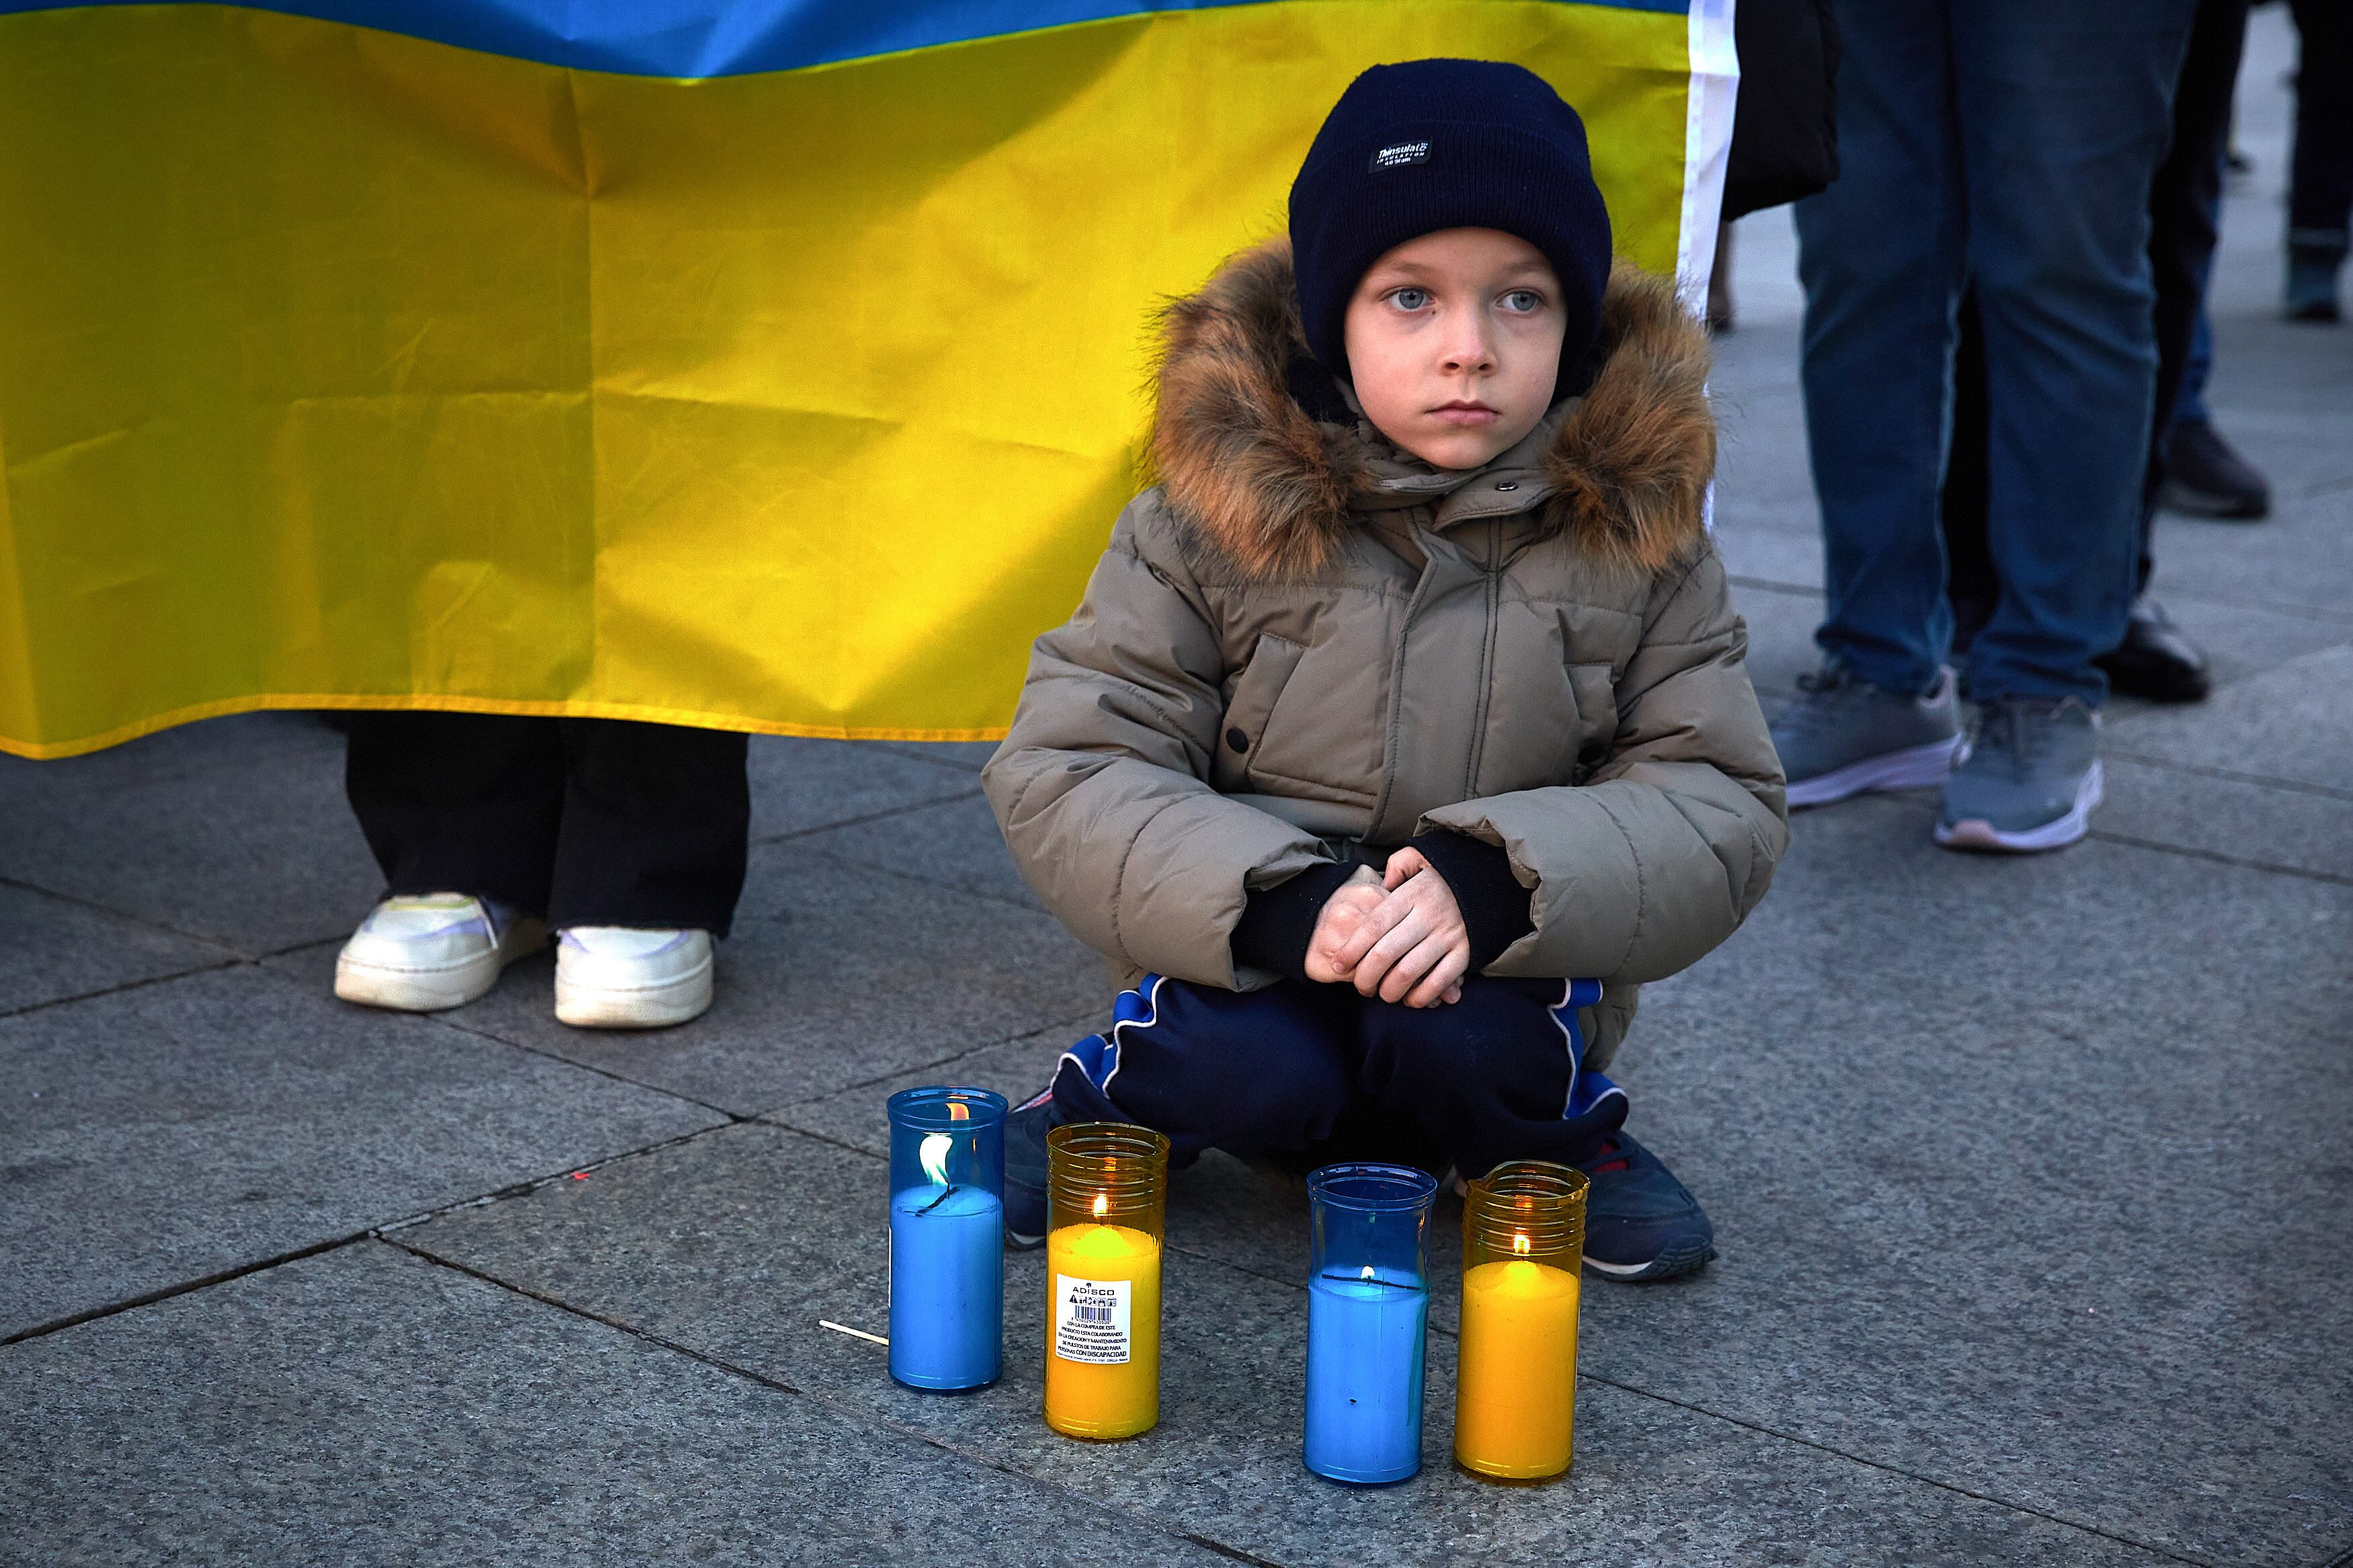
[(2030, 780), (1844, 736)]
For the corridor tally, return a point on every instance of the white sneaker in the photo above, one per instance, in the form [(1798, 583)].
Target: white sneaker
[(425, 951), (618, 977)]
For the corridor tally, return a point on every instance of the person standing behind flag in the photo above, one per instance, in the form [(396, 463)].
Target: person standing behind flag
[(627, 841), (2010, 142)]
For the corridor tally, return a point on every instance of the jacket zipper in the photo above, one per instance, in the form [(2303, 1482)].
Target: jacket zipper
[(1486, 658), (1396, 715)]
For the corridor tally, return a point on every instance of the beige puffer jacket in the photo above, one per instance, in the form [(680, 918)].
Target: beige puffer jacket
[(1305, 646)]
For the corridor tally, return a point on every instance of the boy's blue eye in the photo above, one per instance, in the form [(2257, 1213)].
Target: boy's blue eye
[(1524, 300), (1410, 298)]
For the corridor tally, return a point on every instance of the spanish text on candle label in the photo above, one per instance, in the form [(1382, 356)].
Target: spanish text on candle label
[(1091, 1320)]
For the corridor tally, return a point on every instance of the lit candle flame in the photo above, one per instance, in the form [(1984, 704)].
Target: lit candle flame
[(959, 1111), (1520, 1244), (1103, 1205), (1367, 1273), (933, 1155)]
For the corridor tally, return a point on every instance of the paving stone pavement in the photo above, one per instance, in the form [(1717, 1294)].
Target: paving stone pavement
[(2031, 1177)]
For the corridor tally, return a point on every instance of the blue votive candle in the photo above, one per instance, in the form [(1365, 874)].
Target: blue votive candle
[(947, 1237), (1364, 1376), (1367, 1311)]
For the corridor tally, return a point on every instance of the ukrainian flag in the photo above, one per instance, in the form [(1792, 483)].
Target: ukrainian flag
[(766, 365)]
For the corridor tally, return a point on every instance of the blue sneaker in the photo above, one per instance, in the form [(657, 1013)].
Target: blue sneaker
[(1026, 1127), (1842, 735), (1640, 1222), (2030, 781)]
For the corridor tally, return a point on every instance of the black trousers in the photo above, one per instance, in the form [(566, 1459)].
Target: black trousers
[(584, 821), (2320, 178), (2183, 199)]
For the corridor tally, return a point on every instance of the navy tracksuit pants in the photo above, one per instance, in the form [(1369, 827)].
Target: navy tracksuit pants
[(1299, 1069)]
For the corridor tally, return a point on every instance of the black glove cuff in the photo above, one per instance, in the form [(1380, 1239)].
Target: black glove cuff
[(1279, 921), (1479, 874)]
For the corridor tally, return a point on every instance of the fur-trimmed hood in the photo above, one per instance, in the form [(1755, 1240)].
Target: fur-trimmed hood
[(1273, 488)]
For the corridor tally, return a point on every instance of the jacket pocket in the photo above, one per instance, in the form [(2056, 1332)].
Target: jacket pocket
[(1596, 689), (1243, 727)]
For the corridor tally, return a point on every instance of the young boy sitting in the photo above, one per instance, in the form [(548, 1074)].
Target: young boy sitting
[(1403, 732)]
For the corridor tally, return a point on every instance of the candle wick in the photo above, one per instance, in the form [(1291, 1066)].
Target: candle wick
[(1375, 1279), (945, 1193)]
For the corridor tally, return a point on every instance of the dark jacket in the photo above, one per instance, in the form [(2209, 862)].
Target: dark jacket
[(1784, 124)]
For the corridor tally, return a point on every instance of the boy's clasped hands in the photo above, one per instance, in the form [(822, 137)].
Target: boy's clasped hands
[(1398, 936)]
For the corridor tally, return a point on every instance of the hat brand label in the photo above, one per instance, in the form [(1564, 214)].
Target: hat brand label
[(1398, 156)]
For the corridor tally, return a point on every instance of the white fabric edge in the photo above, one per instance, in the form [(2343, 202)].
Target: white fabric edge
[(1707, 150), (1707, 145)]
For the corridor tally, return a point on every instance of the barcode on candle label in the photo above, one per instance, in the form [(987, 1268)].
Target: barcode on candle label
[(1091, 1320)]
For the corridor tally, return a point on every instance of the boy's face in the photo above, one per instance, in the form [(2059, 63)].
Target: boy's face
[(1454, 343)]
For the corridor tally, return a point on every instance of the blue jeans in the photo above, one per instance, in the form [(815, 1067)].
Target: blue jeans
[(2191, 407), (2010, 144)]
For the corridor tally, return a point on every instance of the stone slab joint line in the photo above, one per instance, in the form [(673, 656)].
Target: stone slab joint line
[(183, 1288), (544, 1054), (223, 966), (1769, 585), (526, 1187), (2126, 840), (1882, 1466), (136, 918), (771, 1115), (883, 816), (858, 1413), (827, 1138), (2230, 776), (929, 754), (2294, 612), (93, 905), (2272, 867), (375, 1232), (933, 882)]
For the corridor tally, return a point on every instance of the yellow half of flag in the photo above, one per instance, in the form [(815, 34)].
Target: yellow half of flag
[(763, 366)]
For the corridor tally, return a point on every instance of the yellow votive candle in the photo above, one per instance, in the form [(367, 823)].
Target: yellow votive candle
[(1516, 1378), (1103, 1331), (1515, 1392)]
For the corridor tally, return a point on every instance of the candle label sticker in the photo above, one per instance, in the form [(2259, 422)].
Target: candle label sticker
[(1091, 1320)]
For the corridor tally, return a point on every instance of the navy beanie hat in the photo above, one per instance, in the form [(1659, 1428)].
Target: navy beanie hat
[(1434, 144)]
